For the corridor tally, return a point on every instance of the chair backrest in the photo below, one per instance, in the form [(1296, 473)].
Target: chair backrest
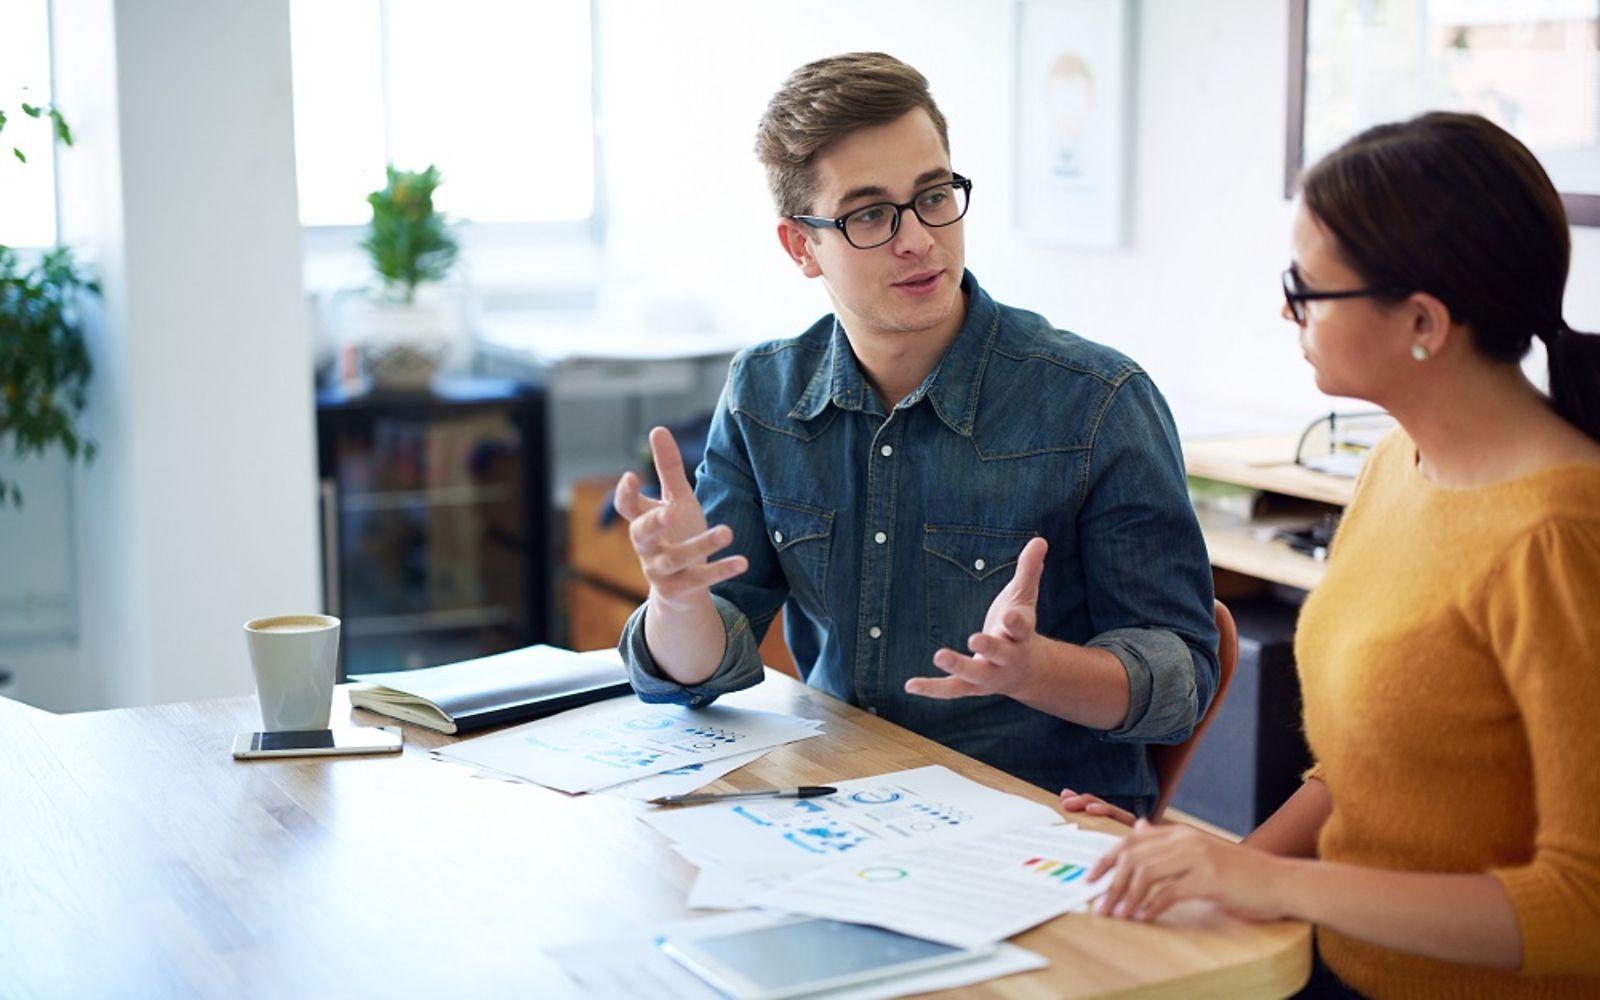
[(1170, 761)]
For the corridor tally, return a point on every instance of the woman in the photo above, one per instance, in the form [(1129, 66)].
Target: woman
[(1447, 844)]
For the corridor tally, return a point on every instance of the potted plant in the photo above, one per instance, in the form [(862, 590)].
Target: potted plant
[(44, 362), (404, 326)]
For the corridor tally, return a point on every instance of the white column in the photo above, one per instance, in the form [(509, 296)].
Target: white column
[(199, 511)]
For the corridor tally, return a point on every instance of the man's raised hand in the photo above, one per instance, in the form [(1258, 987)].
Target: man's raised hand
[(670, 535)]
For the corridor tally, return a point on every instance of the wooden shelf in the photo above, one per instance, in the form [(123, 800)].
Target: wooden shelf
[(1274, 562), (1264, 463)]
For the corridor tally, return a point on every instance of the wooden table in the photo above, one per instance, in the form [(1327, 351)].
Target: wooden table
[(138, 859)]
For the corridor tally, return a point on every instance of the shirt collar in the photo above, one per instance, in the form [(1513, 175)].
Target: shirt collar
[(838, 379), (951, 388)]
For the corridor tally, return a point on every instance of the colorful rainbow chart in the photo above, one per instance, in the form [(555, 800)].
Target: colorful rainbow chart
[(1059, 871)]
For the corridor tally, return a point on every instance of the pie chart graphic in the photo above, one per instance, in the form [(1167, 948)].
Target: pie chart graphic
[(876, 797), (881, 873)]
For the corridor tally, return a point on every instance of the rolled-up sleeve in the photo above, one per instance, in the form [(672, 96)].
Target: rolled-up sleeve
[(1145, 564), (1162, 697), (739, 668)]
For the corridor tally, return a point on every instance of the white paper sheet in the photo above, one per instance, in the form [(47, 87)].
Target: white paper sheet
[(633, 968), (925, 805), (967, 894), (612, 742), (685, 779), (719, 888)]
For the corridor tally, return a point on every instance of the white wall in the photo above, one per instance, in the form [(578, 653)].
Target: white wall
[(200, 510), (1194, 296)]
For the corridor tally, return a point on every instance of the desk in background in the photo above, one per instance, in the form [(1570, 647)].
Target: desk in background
[(138, 859), (608, 384)]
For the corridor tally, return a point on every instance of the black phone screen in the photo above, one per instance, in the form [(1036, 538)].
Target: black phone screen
[(310, 739)]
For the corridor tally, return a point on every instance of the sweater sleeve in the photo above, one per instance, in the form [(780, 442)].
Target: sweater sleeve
[(1543, 621)]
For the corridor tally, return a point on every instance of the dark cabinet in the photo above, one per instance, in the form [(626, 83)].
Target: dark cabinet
[(1253, 755), (435, 522)]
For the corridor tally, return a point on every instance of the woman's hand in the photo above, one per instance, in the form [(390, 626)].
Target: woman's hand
[(1157, 866), (1093, 805)]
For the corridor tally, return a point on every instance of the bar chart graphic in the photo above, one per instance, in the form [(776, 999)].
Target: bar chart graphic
[(1058, 871)]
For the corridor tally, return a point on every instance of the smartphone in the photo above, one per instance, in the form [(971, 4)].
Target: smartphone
[(318, 742), (802, 955)]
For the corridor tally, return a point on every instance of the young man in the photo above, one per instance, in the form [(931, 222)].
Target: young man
[(979, 523)]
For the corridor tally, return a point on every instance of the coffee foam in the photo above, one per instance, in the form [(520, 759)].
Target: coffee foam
[(292, 623)]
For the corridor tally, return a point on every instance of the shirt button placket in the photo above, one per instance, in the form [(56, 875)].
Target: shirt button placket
[(878, 563)]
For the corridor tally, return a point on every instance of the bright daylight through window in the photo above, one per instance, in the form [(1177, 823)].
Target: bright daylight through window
[(28, 193), (497, 94)]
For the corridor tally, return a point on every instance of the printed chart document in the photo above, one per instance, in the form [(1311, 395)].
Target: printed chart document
[(970, 893), (634, 967), (683, 780), (924, 805), (748, 848), (678, 781), (612, 742)]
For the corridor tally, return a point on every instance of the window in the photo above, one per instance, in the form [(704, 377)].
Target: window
[(498, 94), (27, 190)]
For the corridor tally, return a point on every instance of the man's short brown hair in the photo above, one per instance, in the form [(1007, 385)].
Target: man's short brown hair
[(825, 100)]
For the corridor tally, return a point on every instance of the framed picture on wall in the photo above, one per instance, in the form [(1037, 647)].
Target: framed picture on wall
[(1074, 105), (1530, 66)]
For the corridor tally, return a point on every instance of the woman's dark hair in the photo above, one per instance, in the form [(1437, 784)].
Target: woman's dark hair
[(1452, 205)]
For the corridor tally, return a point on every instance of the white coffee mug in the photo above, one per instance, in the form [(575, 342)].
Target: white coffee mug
[(295, 659)]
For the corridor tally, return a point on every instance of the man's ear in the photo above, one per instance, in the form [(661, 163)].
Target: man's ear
[(800, 247)]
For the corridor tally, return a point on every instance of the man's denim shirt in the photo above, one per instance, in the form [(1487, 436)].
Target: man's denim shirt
[(888, 535)]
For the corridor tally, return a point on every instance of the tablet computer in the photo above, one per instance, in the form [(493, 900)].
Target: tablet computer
[(802, 955)]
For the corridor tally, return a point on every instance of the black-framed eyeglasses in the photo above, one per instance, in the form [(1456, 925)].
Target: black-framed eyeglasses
[(942, 204), (1297, 294)]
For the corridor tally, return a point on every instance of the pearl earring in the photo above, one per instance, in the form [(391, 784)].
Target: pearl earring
[(1419, 352)]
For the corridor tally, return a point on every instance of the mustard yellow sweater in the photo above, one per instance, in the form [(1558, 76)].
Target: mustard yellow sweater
[(1450, 665)]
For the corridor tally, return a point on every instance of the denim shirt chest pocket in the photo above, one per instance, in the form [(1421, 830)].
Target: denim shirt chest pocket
[(802, 536), (964, 569)]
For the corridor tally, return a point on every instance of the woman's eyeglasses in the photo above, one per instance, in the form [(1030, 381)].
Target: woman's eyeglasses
[(1296, 294)]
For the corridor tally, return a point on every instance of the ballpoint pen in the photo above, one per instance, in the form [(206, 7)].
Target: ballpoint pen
[(803, 792)]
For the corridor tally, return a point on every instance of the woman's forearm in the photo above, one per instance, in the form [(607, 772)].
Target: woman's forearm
[(1453, 918), (1292, 831)]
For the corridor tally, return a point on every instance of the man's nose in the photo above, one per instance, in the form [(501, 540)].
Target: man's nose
[(912, 237)]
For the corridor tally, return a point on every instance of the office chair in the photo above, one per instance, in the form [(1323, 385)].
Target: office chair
[(1170, 761)]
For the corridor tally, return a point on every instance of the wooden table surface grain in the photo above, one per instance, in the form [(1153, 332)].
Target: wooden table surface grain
[(137, 858)]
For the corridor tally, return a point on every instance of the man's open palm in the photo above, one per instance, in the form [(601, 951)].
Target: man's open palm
[(1004, 653)]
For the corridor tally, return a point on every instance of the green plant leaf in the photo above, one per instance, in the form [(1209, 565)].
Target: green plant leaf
[(63, 131), (406, 240), (2, 121), (31, 110), (44, 361), (18, 154)]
